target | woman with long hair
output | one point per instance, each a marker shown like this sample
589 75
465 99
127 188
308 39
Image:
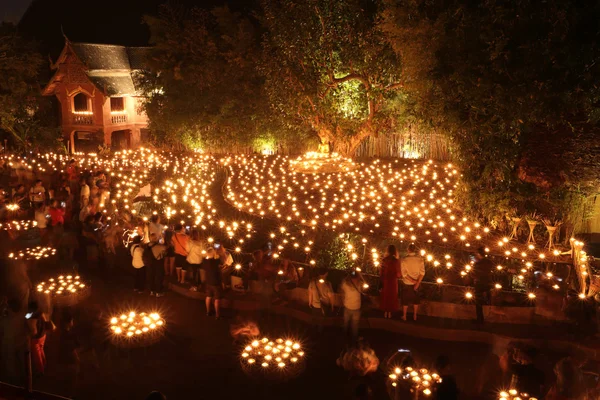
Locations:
390 273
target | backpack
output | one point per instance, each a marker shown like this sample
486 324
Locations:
147 256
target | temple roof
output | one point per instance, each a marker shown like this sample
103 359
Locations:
110 57
109 67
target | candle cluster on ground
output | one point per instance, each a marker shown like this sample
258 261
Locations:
35 253
272 355
62 285
421 380
134 325
18 225
514 394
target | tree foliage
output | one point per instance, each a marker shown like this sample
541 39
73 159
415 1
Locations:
515 84
328 68
24 115
202 87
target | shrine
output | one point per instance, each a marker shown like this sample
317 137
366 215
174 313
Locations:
99 101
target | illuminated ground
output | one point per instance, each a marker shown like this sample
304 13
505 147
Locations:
198 356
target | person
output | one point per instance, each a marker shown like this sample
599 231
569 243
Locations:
287 277
20 197
194 258
413 271
226 264
320 296
85 212
155 227
37 324
68 352
210 264
169 261
137 251
351 294
41 218
447 389
37 194
525 375
180 243
568 385
390 273
84 193
57 214
153 259
72 175
482 270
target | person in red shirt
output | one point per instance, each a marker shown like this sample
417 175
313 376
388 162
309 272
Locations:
57 214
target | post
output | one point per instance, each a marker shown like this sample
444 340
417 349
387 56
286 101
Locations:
28 372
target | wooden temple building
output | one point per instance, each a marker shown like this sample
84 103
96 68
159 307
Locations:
99 100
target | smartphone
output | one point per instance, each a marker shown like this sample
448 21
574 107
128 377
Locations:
28 315
217 245
63 204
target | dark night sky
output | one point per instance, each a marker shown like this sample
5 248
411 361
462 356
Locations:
106 21
12 10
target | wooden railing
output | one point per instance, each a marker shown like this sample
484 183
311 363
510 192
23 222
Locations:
80 118
118 118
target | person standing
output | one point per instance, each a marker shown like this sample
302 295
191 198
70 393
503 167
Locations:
180 245
482 270
37 323
155 227
226 265
214 289
413 271
390 273
153 258
194 258
84 193
320 297
37 194
169 262
351 293
137 253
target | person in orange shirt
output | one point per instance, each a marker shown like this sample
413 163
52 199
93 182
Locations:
180 244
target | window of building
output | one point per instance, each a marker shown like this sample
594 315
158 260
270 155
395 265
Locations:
81 103
117 104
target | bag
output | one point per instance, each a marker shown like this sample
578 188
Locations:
148 257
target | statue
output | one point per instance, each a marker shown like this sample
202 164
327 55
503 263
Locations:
323 148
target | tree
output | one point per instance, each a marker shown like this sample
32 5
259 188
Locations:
515 85
202 87
24 114
328 68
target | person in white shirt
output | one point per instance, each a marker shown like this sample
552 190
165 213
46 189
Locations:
41 217
84 193
194 258
155 227
137 251
413 271
37 194
226 264
351 290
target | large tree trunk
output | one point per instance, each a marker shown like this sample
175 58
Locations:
343 143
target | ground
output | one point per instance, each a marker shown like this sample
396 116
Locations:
198 356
